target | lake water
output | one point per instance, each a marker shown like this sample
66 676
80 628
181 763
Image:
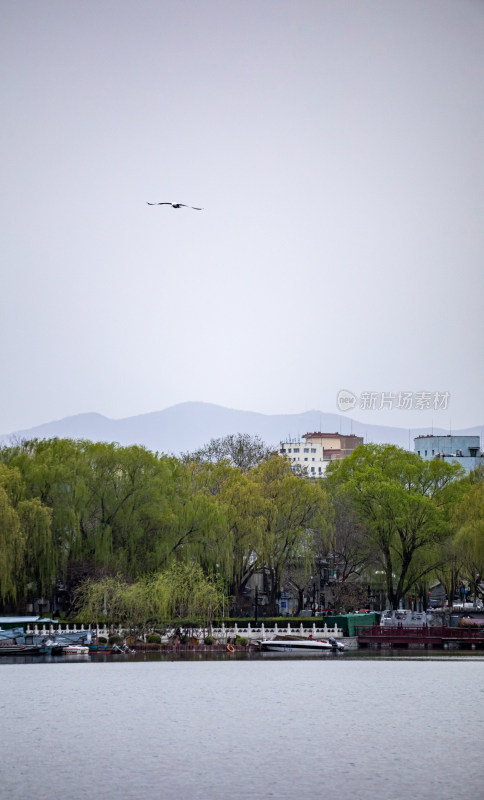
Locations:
372 725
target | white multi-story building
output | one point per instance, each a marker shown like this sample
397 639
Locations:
305 456
312 455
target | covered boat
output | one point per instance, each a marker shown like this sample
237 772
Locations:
13 642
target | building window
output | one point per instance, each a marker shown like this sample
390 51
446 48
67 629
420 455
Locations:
433 452
425 452
319 470
306 449
289 451
313 449
282 450
313 459
313 469
306 458
296 449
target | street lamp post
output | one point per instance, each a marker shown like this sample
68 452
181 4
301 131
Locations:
256 605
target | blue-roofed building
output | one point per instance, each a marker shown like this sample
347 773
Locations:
463 450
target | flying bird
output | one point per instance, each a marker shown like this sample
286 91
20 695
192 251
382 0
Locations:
176 205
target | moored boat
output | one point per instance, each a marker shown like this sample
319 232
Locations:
101 648
76 650
299 644
20 650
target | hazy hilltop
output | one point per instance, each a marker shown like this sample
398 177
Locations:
187 426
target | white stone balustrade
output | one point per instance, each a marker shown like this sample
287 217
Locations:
221 634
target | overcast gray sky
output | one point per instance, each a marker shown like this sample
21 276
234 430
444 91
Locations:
336 147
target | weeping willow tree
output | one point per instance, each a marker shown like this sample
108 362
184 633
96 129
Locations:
114 510
54 472
190 520
40 551
27 552
469 540
112 600
12 550
184 591
143 511
247 510
298 513
181 591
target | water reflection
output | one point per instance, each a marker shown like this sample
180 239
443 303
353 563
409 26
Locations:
369 654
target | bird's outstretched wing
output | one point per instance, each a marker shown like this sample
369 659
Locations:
176 205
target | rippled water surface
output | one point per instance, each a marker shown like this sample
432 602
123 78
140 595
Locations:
363 727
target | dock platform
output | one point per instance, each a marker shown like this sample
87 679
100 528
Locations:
426 636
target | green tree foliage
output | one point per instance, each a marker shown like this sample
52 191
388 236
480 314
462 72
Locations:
246 513
27 554
122 508
85 510
12 548
56 473
469 541
40 558
294 509
274 519
182 590
112 599
192 521
404 502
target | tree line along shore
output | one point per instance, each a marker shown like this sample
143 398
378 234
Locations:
100 531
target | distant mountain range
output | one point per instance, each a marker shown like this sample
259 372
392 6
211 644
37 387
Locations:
187 426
